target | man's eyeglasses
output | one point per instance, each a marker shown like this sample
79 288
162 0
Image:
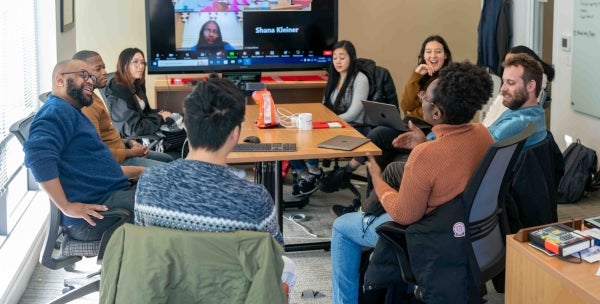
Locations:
423 97
84 74
209 31
138 63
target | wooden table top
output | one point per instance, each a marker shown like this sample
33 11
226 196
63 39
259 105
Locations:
579 278
306 141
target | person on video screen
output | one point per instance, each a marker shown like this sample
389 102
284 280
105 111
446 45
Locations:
210 39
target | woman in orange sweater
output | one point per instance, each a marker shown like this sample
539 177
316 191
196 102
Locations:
435 172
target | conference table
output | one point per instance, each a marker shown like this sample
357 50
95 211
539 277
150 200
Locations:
269 163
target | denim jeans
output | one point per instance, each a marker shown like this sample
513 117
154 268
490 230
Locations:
301 166
152 159
123 198
351 232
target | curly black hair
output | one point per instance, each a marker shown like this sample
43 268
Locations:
462 89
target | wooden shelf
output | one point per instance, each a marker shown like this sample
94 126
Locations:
170 96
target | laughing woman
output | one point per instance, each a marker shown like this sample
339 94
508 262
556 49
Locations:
434 55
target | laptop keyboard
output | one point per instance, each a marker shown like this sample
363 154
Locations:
265 147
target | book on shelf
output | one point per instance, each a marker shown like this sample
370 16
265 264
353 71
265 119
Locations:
560 239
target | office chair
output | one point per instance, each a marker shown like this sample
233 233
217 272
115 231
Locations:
461 269
42 97
162 265
60 251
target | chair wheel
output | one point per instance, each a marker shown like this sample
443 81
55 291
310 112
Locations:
67 288
70 268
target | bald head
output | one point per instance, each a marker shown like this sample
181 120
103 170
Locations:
72 82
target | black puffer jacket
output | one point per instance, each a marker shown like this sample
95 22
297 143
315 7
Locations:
381 83
438 258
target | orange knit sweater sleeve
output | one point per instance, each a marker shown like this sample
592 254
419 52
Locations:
435 172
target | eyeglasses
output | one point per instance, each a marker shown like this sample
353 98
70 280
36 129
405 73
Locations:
138 63
422 96
84 74
209 31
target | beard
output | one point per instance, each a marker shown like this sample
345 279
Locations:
518 99
77 94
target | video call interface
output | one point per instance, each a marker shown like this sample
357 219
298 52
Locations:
202 33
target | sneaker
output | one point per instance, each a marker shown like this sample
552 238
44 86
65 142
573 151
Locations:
339 210
241 173
334 180
306 185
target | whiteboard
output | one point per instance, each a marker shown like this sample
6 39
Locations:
585 85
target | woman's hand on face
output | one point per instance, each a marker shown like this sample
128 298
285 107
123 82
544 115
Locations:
424 69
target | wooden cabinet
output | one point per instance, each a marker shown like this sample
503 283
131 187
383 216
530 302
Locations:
170 97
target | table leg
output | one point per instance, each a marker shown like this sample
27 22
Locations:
270 176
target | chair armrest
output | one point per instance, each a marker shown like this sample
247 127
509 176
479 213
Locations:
395 234
122 215
390 228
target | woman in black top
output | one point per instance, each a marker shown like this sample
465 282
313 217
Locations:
126 97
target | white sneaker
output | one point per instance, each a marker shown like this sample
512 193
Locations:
241 173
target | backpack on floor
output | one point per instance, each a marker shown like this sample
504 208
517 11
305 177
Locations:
581 168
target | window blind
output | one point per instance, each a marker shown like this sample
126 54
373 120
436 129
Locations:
19 87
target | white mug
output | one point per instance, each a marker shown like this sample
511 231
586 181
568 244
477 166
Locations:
305 121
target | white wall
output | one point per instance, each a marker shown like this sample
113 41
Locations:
521 12
108 27
565 121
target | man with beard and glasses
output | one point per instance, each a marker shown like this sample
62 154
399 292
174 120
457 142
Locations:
130 152
71 163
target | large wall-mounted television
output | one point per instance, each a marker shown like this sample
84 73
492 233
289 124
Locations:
206 36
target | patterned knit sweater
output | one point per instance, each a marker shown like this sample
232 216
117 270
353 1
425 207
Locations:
436 171
199 196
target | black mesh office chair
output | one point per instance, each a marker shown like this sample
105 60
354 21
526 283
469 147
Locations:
60 251
481 256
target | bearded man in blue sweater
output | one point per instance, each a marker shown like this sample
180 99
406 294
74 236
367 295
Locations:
70 161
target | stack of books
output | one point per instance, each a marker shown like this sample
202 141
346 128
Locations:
560 239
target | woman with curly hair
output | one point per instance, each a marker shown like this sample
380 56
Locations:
436 171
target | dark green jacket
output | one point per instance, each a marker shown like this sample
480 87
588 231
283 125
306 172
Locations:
160 265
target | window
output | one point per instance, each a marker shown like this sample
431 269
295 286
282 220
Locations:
19 87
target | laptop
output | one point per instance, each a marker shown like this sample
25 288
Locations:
343 142
383 114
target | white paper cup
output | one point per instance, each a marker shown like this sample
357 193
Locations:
305 121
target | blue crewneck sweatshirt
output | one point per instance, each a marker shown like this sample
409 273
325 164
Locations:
64 144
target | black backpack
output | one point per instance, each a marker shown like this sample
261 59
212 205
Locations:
581 167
